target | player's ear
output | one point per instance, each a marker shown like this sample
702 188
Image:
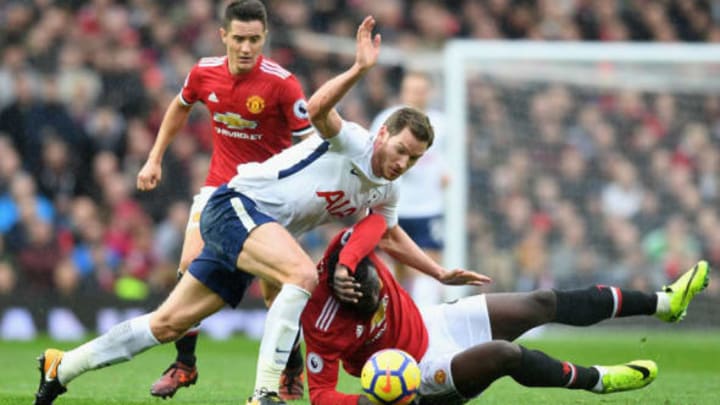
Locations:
382 135
223 35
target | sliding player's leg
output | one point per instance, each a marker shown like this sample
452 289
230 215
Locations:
512 314
466 355
474 369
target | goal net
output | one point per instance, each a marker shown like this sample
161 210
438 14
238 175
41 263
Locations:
581 162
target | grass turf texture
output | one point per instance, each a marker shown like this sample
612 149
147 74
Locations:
689 371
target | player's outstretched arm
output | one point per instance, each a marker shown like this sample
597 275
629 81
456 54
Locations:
174 120
402 248
321 106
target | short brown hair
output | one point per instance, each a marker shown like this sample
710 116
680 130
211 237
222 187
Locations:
413 119
245 10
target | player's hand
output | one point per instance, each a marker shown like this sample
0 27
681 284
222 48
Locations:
149 176
463 277
368 46
345 288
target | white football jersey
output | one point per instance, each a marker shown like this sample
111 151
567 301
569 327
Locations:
421 189
318 181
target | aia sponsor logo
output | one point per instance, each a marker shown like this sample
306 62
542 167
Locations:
337 204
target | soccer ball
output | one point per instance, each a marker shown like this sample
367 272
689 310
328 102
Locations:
390 377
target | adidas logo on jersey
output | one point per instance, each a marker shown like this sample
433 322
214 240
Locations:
212 97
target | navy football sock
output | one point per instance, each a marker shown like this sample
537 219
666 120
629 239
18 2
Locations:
186 348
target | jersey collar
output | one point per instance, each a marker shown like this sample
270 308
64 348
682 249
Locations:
244 76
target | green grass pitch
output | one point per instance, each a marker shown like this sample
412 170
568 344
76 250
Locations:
689 371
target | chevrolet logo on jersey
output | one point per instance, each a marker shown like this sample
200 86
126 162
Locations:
234 121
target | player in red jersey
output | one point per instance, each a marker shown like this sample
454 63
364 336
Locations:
462 347
250 226
256 108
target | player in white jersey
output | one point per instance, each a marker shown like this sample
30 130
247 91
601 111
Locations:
248 227
421 206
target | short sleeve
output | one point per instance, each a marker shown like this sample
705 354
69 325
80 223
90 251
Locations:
189 94
388 208
294 107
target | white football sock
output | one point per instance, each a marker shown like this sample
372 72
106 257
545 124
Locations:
663 303
281 327
119 344
599 385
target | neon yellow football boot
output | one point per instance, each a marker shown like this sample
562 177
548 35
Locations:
682 291
625 377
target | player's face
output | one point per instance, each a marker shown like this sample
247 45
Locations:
415 92
394 155
244 42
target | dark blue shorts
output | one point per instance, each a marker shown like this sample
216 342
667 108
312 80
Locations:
427 232
229 285
225 223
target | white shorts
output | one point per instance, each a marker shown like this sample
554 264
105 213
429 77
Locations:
199 202
452 328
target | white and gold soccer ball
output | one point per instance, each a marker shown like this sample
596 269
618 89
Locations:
390 377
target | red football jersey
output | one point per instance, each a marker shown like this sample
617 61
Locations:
333 334
254 115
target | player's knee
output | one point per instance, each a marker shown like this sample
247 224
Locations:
305 277
167 328
544 302
508 354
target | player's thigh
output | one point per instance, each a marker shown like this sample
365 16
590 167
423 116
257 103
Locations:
271 253
192 246
512 314
193 243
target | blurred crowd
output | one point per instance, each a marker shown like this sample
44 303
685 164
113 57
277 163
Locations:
619 187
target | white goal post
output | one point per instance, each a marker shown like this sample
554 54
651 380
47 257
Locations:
554 61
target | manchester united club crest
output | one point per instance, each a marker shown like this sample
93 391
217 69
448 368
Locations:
440 377
255 104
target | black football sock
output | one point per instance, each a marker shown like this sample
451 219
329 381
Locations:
537 369
594 304
186 348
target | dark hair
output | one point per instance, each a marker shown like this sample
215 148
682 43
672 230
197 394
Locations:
415 120
245 10
366 275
